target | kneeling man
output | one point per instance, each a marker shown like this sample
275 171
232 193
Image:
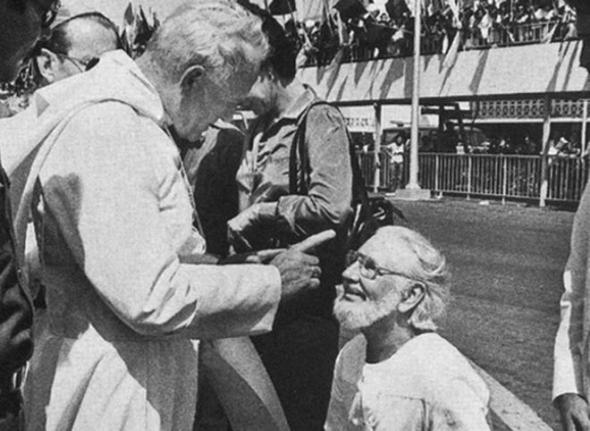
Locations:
400 374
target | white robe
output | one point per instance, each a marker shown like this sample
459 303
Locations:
427 385
113 218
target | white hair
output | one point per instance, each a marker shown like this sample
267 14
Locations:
430 269
219 35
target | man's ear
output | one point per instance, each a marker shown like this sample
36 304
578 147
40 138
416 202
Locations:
47 62
191 76
411 298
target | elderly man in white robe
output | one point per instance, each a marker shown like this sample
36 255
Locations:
400 375
113 220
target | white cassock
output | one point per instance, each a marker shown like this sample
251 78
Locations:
113 219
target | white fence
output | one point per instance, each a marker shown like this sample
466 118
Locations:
496 176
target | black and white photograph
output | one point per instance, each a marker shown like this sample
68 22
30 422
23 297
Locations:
294 215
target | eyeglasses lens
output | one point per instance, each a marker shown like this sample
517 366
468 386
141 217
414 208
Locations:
367 266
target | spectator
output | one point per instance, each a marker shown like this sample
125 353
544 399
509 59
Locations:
295 180
75 43
395 150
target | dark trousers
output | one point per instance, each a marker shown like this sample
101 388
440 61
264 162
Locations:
396 176
299 356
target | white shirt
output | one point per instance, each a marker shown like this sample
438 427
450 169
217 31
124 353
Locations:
426 385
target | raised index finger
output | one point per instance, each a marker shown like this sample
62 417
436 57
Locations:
314 241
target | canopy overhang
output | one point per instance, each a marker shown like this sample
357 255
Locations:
502 73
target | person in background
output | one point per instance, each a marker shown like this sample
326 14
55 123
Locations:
21 25
211 169
75 43
295 181
399 374
396 149
127 299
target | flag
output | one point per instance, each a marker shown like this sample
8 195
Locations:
129 14
349 9
453 52
282 7
337 59
549 36
585 55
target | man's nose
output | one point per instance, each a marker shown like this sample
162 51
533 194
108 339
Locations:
351 272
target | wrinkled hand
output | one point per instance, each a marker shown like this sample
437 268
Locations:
300 271
574 412
244 227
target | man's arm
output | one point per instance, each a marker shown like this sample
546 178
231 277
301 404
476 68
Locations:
105 195
328 201
330 191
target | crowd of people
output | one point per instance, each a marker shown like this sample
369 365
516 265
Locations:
388 31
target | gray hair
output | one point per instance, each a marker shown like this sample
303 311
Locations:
429 269
219 35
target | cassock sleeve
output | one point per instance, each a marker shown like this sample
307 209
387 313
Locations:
106 194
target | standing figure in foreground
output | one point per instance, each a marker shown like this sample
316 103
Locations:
571 381
400 375
21 24
571 387
295 181
113 217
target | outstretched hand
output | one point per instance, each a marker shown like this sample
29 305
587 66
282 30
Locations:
299 270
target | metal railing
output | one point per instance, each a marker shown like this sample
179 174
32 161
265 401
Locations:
517 34
498 36
511 177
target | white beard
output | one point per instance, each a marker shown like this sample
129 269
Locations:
355 316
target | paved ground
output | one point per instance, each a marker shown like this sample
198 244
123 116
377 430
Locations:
507 263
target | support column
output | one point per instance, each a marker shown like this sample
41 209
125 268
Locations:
413 190
377 148
545 158
414 135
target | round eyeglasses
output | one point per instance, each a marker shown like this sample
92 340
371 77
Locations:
368 268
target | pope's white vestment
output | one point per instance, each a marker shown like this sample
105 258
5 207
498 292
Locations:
113 219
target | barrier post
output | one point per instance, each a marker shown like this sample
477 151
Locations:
504 178
544 158
469 161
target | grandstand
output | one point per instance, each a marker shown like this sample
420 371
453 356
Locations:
520 83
